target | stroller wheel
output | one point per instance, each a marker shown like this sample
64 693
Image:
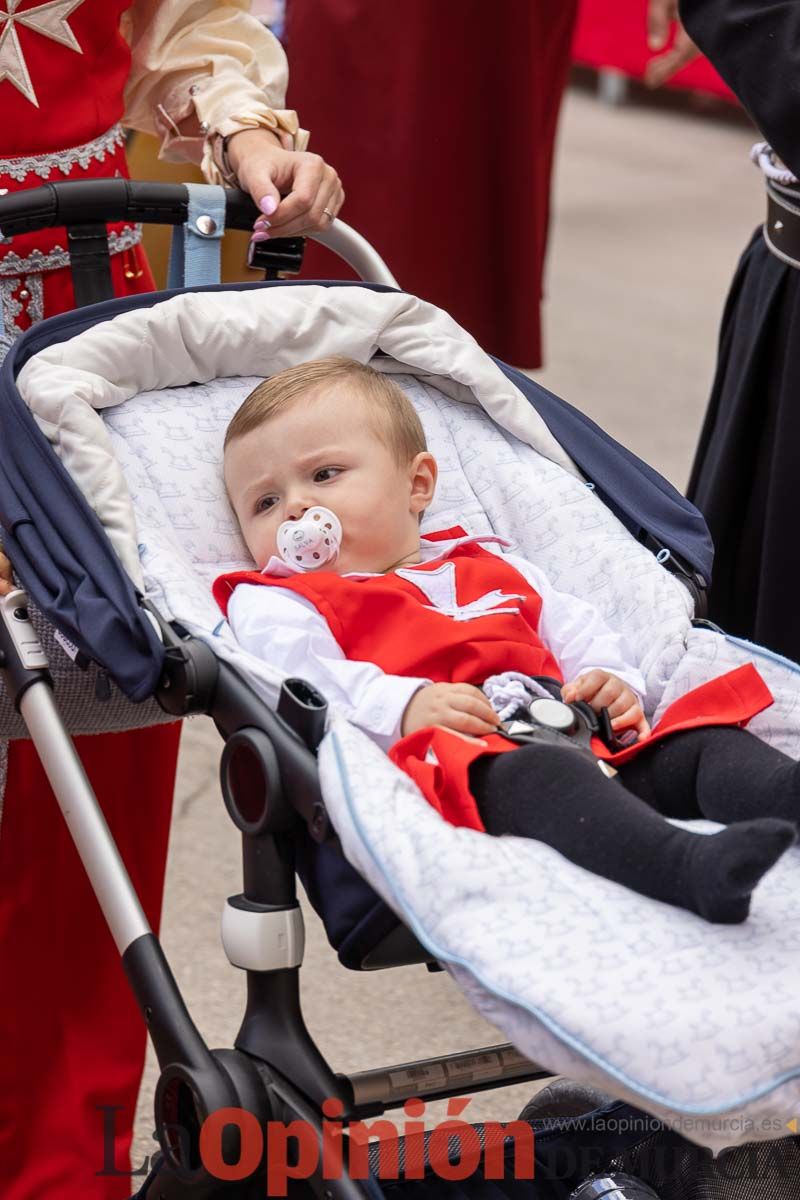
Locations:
613 1187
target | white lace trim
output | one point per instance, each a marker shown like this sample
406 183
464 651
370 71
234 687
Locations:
12 306
37 261
64 160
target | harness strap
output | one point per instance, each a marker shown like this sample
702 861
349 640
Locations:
90 264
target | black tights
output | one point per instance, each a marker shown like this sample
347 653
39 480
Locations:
560 797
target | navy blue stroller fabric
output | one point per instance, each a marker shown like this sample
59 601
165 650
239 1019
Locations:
72 574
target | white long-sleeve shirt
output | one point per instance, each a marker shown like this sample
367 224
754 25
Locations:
286 630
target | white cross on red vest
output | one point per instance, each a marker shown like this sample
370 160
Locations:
50 20
439 585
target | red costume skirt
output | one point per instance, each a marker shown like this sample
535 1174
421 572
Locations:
73 1041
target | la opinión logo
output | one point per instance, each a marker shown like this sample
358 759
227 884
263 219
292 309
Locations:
452 1149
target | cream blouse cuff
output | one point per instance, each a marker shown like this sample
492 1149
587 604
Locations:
201 69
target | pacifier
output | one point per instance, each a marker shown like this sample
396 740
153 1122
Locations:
312 542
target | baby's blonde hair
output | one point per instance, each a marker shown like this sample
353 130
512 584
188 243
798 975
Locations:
398 425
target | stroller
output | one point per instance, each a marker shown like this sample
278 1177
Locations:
298 782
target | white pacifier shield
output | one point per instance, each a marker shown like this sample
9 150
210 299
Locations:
312 542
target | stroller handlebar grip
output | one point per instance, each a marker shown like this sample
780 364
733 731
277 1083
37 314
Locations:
84 202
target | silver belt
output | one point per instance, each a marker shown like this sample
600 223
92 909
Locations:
782 226
64 161
38 261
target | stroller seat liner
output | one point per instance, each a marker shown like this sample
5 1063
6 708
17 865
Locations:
698 1024
688 1020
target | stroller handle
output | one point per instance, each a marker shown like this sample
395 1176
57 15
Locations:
89 202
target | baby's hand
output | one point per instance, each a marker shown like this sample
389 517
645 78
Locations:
601 689
457 706
6 578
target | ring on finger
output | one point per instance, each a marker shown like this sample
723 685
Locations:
327 212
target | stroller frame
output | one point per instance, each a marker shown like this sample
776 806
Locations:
270 786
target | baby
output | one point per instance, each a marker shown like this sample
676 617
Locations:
400 631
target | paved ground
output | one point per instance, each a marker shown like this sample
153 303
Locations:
651 211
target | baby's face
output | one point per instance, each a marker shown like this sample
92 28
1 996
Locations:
324 450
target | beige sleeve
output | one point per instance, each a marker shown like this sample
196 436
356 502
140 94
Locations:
201 68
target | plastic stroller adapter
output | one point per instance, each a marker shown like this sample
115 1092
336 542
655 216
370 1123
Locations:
22 659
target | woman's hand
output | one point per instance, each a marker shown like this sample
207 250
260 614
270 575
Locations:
661 16
6 578
601 689
312 191
456 706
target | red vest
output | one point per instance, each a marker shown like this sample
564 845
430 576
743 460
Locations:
469 616
63 73
66 65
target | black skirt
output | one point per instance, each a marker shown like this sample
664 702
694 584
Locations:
746 475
